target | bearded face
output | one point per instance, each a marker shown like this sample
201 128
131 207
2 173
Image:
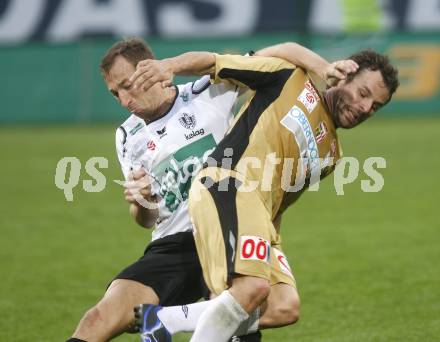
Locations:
354 101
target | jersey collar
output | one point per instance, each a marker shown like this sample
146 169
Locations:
169 109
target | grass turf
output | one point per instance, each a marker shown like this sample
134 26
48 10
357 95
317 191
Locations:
366 263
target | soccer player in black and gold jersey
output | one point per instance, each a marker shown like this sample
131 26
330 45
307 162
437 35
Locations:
282 141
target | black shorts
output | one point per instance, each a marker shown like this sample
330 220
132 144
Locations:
171 267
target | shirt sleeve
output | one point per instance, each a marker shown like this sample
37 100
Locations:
121 137
224 96
251 71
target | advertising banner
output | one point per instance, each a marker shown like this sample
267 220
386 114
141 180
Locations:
62 83
69 20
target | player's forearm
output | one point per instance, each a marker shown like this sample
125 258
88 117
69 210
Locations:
143 216
192 63
298 55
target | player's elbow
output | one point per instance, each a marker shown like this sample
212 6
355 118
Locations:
147 222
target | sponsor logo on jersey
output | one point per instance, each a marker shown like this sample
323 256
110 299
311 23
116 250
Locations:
254 248
188 121
297 123
162 132
309 86
320 132
309 97
282 262
174 174
194 134
136 128
151 145
184 97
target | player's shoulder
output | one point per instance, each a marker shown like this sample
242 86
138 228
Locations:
190 90
131 122
129 127
202 88
200 85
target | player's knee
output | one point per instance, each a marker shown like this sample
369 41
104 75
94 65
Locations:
281 311
257 288
250 291
92 318
288 311
261 288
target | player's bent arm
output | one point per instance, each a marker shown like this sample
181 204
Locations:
297 55
300 56
240 70
203 63
192 63
151 71
252 72
143 216
143 203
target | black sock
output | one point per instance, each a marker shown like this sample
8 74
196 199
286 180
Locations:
73 339
252 337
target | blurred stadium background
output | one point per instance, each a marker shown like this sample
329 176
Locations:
366 263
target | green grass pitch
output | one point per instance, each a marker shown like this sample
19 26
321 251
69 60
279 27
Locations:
367 264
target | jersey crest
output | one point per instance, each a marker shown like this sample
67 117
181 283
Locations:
188 121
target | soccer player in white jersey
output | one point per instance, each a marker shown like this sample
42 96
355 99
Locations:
169 134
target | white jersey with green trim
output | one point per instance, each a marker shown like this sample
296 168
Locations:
172 148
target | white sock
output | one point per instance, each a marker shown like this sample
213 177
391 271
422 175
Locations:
220 320
182 318
250 325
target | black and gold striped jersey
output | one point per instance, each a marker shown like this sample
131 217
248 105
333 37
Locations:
283 137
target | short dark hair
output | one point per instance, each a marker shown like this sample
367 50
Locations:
133 50
372 60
